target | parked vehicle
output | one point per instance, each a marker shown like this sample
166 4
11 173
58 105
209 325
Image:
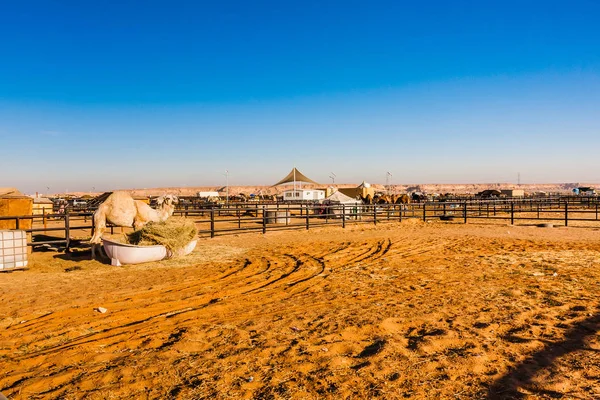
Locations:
79 203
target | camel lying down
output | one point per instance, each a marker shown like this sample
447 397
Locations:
120 209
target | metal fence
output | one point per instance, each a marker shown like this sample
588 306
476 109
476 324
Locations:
220 219
38 233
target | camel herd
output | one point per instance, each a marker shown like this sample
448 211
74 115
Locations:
414 197
386 199
368 199
377 199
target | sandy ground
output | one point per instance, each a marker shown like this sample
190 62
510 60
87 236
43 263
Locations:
401 310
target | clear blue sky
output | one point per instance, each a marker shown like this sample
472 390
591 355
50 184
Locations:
124 94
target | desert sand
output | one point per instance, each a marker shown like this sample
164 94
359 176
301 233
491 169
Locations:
400 310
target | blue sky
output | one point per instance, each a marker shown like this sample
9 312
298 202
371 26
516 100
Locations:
145 94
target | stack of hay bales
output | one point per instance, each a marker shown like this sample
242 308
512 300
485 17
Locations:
14 203
174 233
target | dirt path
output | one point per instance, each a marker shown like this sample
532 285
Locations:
407 310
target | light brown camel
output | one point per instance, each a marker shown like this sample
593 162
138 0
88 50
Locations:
402 199
120 209
367 199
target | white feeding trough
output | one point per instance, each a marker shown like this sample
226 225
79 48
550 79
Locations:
121 253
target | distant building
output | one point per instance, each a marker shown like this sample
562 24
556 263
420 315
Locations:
513 192
208 195
489 194
42 205
303 194
588 191
585 191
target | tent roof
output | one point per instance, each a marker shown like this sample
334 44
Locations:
11 192
295 176
364 185
42 200
342 198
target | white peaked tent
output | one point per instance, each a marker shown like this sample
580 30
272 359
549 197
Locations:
340 198
351 206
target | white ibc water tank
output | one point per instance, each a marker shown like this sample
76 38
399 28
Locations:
13 249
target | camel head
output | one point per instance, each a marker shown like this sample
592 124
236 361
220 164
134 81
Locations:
168 199
166 206
171 199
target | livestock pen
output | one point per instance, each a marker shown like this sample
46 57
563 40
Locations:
64 229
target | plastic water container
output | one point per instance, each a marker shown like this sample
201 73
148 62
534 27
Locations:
13 249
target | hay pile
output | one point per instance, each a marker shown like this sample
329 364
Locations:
174 234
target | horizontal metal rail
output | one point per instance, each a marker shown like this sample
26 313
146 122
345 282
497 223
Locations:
270 216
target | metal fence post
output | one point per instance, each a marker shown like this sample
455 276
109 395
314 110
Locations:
374 215
465 211
512 212
566 213
307 217
67 232
212 223
264 215
424 212
343 216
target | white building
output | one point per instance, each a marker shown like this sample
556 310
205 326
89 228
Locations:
513 192
303 194
208 194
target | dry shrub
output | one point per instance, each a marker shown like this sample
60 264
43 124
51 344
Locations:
174 234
